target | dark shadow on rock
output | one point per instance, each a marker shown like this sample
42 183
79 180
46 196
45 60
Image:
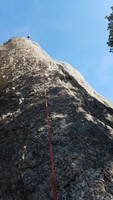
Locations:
81 147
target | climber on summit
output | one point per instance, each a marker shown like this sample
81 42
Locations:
28 36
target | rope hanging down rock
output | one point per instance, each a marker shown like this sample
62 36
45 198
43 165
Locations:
54 181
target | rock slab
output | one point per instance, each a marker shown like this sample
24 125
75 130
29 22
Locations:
82 128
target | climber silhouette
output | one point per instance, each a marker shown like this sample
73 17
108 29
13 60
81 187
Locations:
28 36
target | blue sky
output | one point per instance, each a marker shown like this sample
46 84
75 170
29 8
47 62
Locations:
69 30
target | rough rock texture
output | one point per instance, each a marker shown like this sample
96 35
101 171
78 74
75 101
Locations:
82 128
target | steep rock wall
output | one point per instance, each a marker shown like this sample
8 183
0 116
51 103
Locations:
82 128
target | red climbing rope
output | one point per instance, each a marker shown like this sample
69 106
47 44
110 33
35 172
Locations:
54 181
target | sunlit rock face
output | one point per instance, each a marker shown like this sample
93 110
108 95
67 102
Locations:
82 128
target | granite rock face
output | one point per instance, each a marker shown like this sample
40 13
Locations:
82 128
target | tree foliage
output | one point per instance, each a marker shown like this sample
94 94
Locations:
110 28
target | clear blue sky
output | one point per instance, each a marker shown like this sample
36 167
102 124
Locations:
69 30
